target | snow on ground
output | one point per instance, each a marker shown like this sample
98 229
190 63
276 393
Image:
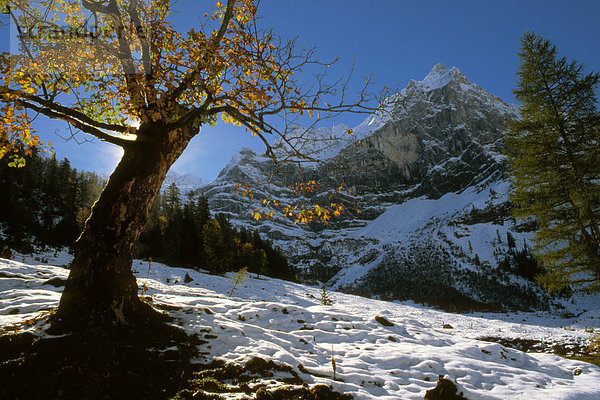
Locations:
401 221
285 322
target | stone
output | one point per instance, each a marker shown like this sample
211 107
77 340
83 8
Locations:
383 321
444 389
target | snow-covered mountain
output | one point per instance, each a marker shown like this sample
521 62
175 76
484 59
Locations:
426 200
186 182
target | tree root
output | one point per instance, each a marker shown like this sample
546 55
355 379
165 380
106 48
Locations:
150 360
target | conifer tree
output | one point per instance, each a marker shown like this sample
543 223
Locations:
202 211
554 150
259 262
214 247
173 198
190 235
45 201
173 235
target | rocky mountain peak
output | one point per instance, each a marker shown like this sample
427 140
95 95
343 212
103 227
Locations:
432 128
438 68
426 197
437 78
185 182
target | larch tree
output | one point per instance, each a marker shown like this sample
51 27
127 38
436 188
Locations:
120 70
554 151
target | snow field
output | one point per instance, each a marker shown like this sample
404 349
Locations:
284 322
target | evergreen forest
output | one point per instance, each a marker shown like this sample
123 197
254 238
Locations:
46 203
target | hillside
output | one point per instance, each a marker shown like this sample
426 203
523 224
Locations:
425 191
285 323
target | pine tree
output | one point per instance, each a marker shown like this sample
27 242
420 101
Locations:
190 235
45 201
173 235
258 262
238 279
554 151
202 211
172 198
212 235
510 240
325 299
202 217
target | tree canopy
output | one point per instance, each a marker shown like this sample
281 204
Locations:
123 72
113 69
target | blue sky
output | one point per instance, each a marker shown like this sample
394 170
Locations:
395 41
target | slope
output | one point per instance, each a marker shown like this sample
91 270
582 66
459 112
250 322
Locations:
284 323
436 144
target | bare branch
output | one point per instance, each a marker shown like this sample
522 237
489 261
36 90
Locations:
25 46
225 23
100 7
77 124
125 55
216 42
67 111
137 22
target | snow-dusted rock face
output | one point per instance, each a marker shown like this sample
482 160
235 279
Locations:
185 183
427 216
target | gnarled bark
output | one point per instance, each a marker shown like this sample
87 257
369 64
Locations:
101 288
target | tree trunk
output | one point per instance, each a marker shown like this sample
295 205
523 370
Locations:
101 288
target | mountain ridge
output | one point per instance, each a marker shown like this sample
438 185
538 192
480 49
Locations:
436 142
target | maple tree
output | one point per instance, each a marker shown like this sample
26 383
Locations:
120 71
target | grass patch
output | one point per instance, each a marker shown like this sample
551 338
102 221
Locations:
589 354
592 359
593 355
